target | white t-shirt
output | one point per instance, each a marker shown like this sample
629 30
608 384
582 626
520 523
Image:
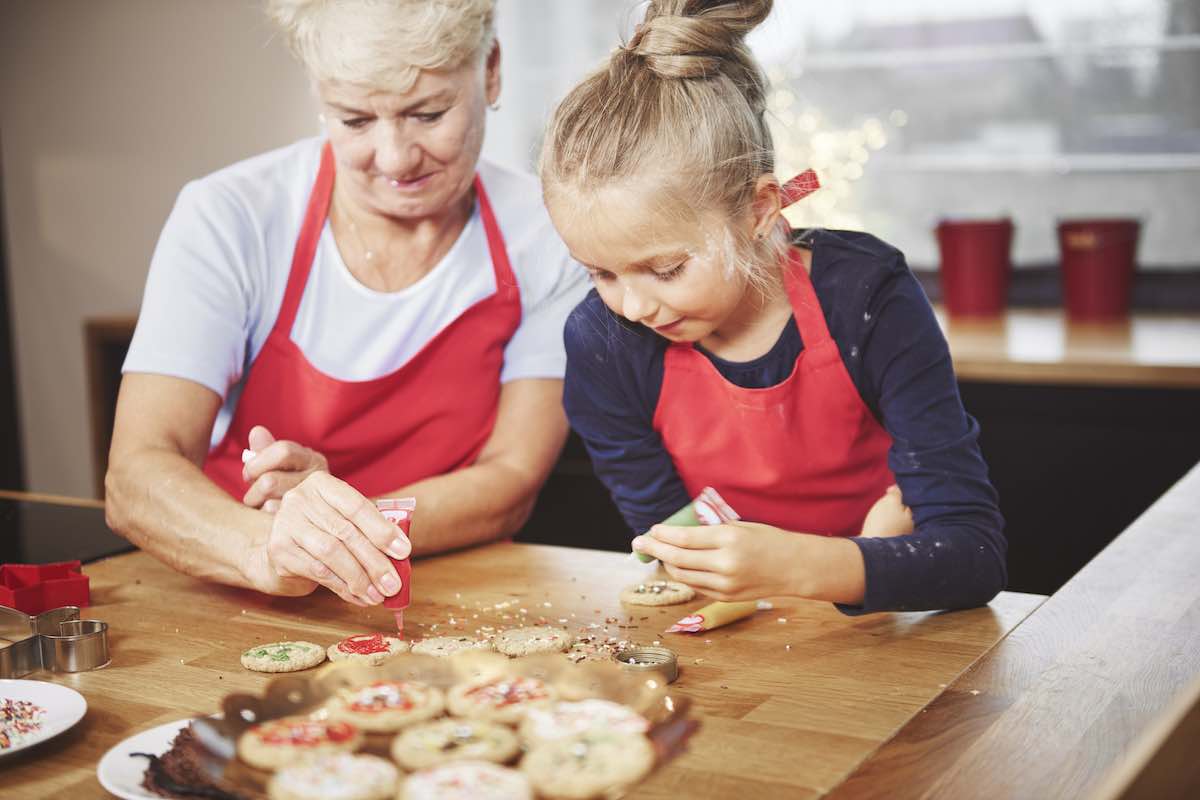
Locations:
219 271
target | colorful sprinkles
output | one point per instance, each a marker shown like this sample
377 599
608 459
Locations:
20 720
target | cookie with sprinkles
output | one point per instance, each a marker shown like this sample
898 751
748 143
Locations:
657 593
499 699
279 742
446 740
563 719
371 649
336 777
283 656
442 646
386 706
467 780
590 764
536 639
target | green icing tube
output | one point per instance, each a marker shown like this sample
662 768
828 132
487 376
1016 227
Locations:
684 517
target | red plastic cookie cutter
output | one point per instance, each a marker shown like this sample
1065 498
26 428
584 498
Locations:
34 588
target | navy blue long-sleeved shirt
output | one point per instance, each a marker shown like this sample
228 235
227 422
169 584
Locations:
898 359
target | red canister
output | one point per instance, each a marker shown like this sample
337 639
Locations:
1098 261
976 265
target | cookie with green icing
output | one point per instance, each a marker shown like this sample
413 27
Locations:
283 656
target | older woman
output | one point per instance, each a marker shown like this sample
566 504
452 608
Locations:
372 313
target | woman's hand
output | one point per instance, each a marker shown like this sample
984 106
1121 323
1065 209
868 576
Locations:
734 561
327 532
889 516
277 467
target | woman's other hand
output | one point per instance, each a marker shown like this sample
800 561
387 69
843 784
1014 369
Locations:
327 532
277 467
889 516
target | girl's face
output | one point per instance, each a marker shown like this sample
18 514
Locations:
411 155
651 268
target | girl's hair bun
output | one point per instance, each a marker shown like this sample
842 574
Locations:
697 38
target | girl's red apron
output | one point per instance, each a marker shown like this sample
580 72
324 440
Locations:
804 455
429 417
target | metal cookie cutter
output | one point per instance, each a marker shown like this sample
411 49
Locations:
56 640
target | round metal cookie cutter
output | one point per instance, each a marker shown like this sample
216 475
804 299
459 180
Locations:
650 660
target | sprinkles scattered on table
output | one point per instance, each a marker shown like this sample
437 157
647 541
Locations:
20 720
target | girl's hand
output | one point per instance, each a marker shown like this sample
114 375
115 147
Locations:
889 516
277 467
735 561
327 532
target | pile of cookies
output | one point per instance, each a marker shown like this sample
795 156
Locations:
499 734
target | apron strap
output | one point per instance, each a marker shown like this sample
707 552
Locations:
306 243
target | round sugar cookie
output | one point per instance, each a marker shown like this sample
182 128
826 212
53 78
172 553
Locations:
527 641
466 780
386 706
657 593
499 699
442 741
563 719
283 656
336 777
449 645
588 764
371 649
277 743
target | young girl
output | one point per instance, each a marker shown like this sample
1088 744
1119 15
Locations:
801 374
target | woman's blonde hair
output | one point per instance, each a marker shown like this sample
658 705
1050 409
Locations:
384 44
681 104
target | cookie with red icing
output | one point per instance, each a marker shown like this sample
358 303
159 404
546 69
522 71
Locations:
371 649
499 699
466 780
386 706
271 745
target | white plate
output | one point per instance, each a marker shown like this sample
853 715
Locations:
121 774
63 708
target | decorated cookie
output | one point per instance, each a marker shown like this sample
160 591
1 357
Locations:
657 593
499 699
564 719
527 641
386 706
283 656
371 649
446 740
449 645
336 777
466 780
588 764
280 742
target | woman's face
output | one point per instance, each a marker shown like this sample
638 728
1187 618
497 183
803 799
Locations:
410 156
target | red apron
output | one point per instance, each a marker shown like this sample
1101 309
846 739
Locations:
429 417
804 455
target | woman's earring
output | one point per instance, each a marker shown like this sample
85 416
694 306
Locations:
494 106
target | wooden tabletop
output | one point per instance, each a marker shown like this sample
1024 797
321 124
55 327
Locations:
1042 346
1073 693
790 700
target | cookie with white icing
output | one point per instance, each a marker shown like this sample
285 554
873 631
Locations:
589 764
370 649
442 646
527 641
336 777
386 706
467 780
499 699
563 719
283 656
277 743
657 593
446 740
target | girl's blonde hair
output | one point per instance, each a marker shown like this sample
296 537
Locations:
680 105
384 44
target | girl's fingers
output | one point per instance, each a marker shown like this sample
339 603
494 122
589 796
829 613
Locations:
707 582
678 556
704 537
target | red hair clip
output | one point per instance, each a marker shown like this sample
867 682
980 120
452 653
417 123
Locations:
800 187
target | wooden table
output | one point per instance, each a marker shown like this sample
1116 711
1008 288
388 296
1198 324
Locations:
1042 346
790 701
1075 692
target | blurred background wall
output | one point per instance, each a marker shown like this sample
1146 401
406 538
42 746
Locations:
911 110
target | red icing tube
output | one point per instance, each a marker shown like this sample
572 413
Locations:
400 511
